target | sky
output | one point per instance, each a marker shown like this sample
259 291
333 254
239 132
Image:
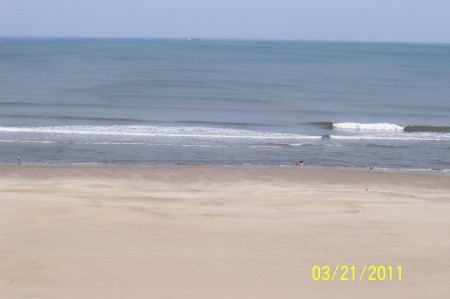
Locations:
423 21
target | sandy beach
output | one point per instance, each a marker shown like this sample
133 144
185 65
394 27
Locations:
218 232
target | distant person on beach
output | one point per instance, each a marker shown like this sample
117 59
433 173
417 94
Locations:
297 164
19 161
301 163
372 167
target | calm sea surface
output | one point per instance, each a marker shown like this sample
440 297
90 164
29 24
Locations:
211 102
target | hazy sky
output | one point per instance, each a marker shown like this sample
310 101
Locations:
356 20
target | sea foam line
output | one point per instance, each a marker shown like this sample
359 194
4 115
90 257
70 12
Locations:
195 132
364 126
427 137
141 143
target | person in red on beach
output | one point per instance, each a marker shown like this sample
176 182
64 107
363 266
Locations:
297 164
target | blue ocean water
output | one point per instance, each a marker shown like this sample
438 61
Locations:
221 102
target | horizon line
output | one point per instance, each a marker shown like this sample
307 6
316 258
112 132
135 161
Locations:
223 39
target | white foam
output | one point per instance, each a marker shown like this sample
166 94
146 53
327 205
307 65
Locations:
399 137
364 126
156 131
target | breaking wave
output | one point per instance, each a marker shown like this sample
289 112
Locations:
382 127
156 131
363 126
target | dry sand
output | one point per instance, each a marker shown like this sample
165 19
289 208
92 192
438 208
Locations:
204 232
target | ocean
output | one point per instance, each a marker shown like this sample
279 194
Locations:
149 102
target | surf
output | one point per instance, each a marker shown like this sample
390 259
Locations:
368 126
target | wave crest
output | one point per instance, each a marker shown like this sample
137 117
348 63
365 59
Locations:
365 126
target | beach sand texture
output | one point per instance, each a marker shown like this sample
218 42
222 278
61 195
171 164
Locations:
218 232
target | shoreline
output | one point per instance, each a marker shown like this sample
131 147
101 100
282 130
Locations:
436 172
